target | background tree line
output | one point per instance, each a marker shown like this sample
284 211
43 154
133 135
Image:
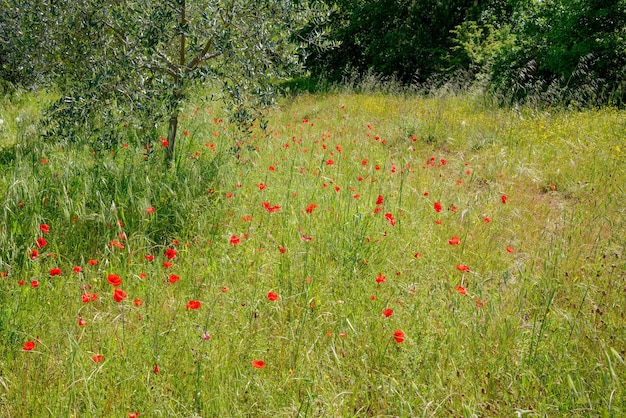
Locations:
566 51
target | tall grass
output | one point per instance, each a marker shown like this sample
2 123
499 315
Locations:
510 297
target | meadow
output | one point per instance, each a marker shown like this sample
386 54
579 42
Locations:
359 254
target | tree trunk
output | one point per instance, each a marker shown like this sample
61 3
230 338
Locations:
171 138
178 89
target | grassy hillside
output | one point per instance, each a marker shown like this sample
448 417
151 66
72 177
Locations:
360 255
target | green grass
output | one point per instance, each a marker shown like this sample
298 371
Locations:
540 328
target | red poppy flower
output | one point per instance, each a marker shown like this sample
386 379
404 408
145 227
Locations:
398 335
156 369
98 358
55 272
114 280
81 322
388 312
170 253
165 143
258 364
119 295
234 240
461 290
44 228
261 186
150 209
78 269
272 296
380 278
116 244
167 264
89 297
390 218
487 220
41 242
34 284
149 257
504 199
133 415
20 283
462 267
330 162
92 262
173 278
310 208
34 254
454 240
193 304
437 206
269 208
138 302
510 250
282 249
380 200
28 345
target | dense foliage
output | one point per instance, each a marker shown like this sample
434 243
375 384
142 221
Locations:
568 52
408 39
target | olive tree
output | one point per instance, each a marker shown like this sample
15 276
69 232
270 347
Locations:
130 60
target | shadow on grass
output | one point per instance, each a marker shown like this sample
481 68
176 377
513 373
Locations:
301 85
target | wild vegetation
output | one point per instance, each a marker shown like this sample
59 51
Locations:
362 254
439 234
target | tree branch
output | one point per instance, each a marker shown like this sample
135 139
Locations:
183 23
160 69
194 62
119 34
174 69
200 59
